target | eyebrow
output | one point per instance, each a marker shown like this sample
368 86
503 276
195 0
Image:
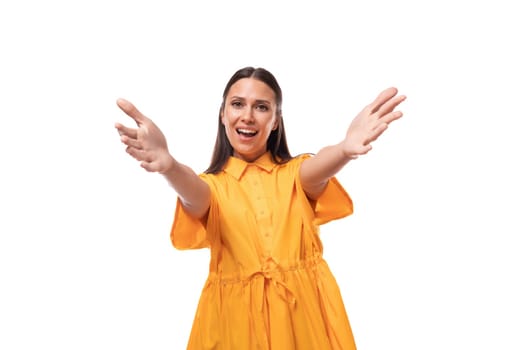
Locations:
257 101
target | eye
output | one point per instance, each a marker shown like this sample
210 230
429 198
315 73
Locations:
236 104
262 108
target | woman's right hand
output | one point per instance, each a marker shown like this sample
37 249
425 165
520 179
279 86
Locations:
146 143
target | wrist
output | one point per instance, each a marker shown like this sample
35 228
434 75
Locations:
346 153
170 166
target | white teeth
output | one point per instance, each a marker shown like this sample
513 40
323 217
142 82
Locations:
245 131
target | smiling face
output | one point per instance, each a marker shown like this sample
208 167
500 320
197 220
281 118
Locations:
249 116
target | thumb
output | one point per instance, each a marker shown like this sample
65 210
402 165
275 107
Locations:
128 108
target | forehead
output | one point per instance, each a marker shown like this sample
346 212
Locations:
251 88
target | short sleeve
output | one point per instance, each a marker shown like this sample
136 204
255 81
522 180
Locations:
188 232
334 203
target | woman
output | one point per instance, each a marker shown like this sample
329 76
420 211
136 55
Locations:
258 209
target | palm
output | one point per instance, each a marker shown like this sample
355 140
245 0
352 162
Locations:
146 143
150 136
371 122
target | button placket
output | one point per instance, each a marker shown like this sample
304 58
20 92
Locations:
262 211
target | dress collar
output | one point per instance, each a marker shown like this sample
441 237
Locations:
236 167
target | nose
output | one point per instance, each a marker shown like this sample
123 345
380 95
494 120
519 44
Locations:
247 116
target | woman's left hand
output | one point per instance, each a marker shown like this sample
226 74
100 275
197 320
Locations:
371 122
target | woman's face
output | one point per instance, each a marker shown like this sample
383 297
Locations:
249 116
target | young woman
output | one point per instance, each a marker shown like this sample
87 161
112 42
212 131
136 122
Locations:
258 210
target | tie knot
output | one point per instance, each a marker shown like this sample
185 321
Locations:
268 267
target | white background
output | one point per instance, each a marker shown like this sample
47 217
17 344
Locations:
431 259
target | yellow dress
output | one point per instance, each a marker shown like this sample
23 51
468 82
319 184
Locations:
268 285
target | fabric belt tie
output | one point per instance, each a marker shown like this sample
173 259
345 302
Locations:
272 274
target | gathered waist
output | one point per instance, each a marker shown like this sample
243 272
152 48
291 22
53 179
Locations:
269 268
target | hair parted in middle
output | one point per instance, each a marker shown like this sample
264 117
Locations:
276 144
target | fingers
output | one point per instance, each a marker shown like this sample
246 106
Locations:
138 154
150 166
131 142
390 117
379 129
383 107
145 158
367 147
128 108
125 131
128 136
383 97
389 105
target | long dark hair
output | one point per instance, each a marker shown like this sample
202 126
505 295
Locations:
276 141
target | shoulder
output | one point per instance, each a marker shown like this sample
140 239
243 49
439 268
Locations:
210 177
297 160
292 166
301 157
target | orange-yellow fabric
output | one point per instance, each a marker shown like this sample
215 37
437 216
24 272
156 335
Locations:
268 286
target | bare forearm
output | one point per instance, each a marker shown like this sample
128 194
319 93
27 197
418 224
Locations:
193 192
365 128
316 171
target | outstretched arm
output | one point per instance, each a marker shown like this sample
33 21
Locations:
366 127
147 144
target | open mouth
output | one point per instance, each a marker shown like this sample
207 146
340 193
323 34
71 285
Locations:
246 132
